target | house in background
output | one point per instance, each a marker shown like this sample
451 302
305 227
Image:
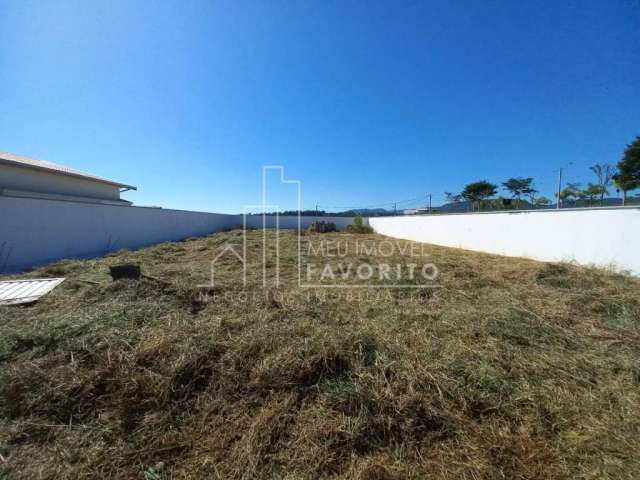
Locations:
30 178
415 211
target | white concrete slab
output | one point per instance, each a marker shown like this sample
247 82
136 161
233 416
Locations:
14 292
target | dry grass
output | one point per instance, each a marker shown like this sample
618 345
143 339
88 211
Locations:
512 369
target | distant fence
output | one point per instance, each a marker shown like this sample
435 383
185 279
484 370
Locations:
37 231
604 237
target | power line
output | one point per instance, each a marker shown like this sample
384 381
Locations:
544 183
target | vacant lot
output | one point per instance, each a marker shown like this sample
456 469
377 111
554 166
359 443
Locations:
503 368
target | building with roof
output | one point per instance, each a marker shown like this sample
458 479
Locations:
22 176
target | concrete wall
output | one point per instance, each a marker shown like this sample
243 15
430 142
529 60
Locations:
38 231
31 180
603 237
34 231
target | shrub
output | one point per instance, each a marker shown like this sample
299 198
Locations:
358 226
322 227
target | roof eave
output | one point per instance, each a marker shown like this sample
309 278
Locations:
66 174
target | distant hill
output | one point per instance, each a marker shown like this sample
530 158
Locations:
365 212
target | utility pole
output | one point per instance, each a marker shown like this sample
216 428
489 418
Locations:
429 203
316 209
559 187
395 209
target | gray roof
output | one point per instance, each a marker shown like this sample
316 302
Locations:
26 162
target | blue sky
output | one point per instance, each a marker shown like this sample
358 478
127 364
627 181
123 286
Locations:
365 102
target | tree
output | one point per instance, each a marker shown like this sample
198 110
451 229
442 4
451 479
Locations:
620 185
625 185
519 186
592 191
604 173
500 203
583 195
541 201
452 197
628 177
571 192
476 192
531 193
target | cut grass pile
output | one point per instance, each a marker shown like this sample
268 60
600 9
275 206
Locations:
506 368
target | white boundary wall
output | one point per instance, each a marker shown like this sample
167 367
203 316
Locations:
37 231
606 237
